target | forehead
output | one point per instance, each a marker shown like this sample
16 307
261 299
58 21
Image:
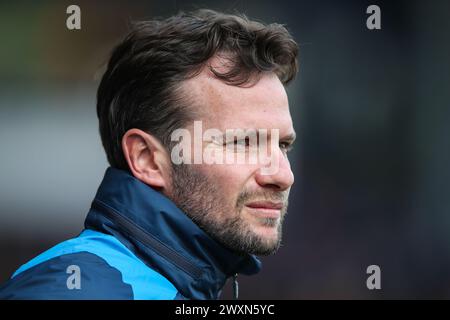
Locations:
262 105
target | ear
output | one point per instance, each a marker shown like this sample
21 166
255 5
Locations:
147 158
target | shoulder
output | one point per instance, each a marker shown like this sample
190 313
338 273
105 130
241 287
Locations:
91 266
81 275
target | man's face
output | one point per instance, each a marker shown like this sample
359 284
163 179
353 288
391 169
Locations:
236 203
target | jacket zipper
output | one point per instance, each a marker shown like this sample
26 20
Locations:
148 240
235 287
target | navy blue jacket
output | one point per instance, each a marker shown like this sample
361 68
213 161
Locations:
136 245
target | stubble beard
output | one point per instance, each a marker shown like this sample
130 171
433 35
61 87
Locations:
200 198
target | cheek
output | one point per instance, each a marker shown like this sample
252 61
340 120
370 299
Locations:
230 180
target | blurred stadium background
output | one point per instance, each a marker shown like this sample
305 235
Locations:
371 110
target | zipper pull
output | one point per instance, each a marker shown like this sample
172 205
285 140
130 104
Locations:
235 287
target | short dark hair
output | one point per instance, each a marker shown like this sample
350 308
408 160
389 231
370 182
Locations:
141 86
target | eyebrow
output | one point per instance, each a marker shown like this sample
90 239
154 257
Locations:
288 138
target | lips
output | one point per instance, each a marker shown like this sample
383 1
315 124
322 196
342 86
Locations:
266 209
265 205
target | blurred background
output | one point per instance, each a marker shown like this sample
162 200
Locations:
370 107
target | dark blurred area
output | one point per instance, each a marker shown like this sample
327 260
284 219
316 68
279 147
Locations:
370 108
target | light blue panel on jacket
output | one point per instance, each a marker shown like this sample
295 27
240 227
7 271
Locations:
146 282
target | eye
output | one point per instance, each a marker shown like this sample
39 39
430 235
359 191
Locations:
286 146
242 142
239 142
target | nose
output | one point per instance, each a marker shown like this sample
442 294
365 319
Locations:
280 179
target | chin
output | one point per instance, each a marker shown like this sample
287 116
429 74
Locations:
267 234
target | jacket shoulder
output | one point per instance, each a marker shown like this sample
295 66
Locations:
80 275
91 266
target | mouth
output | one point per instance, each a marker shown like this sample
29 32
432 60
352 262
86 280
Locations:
265 209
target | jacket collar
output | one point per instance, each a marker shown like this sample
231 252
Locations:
152 226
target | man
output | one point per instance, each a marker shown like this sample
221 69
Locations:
160 228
